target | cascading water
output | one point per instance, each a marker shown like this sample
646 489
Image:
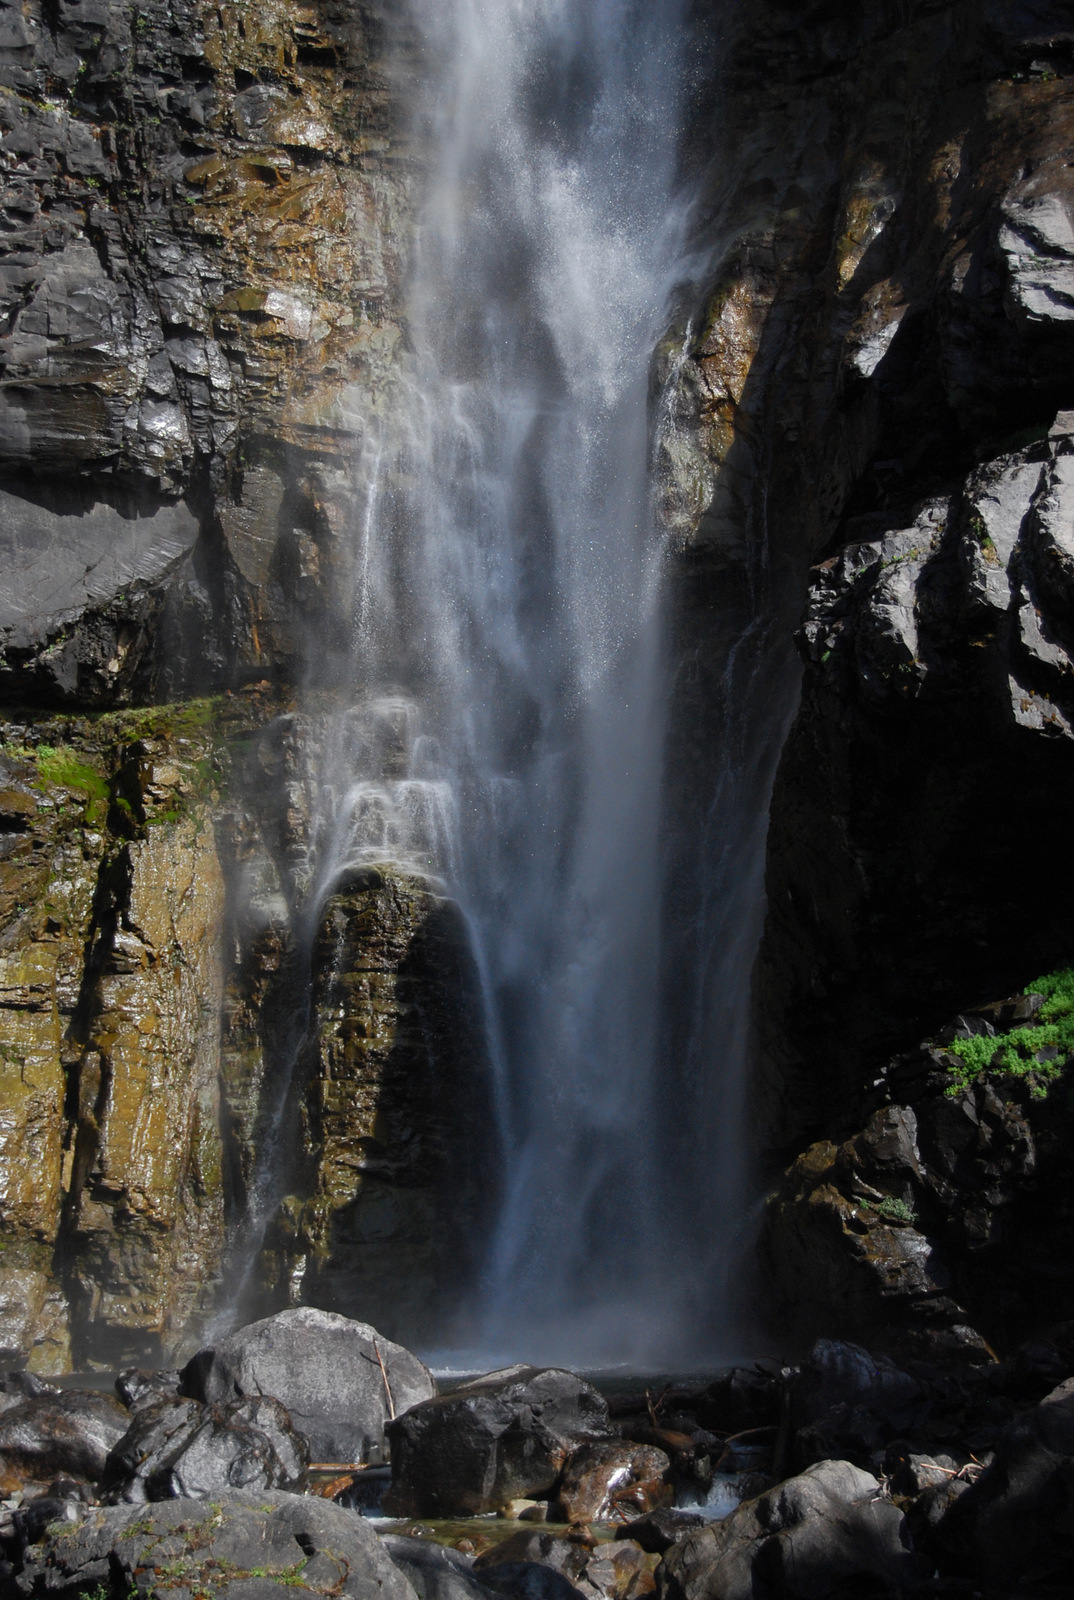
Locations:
511 587
510 646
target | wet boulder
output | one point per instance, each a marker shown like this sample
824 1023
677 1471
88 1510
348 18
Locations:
61 1431
339 1380
564 1556
597 1477
822 1532
179 1448
15 1387
245 1546
620 1570
531 1580
502 1437
433 1571
138 1387
658 1530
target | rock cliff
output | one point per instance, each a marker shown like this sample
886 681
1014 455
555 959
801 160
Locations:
864 430
202 216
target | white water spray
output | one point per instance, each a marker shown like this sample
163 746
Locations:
508 736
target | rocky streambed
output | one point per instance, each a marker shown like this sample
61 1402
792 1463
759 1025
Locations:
843 1476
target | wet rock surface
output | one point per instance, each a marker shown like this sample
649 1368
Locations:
339 1380
179 1449
599 1477
804 1538
433 1571
395 1163
493 1440
263 1544
112 898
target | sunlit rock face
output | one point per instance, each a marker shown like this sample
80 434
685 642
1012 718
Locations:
203 211
112 1205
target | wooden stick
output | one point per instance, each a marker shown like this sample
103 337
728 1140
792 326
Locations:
387 1385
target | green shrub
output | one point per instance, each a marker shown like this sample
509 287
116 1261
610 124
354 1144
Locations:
1016 1053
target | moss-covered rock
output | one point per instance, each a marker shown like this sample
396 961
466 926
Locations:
396 1171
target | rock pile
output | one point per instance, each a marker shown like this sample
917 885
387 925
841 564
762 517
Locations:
866 1479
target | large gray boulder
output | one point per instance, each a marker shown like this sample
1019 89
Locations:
325 1370
802 1540
502 1437
261 1546
181 1449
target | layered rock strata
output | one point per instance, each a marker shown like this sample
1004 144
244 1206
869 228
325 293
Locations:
202 212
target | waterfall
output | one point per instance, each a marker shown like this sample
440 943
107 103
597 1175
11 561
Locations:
506 733
509 610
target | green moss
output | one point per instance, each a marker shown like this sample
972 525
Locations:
1017 1053
67 767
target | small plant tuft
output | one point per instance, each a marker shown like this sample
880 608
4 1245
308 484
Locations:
891 1208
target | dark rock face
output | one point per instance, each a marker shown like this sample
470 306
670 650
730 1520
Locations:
805 1538
941 1230
932 740
434 1571
179 1449
1013 1525
547 1549
529 1580
658 1530
325 1369
254 1546
500 1438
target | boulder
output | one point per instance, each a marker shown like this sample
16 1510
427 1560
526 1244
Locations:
658 1530
531 1580
179 1448
620 1570
807 1537
433 1571
595 1476
561 1555
15 1387
502 1437
848 1403
137 1387
325 1369
248 1546
69 1431
1016 1523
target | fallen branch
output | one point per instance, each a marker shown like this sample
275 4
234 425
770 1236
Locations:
384 1375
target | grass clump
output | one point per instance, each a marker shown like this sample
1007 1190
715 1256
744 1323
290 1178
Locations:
1019 1053
67 768
64 765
